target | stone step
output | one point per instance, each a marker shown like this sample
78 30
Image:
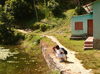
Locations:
77 38
89 39
88 42
88 45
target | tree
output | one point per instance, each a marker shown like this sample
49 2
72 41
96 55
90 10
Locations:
6 34
83 2
20 9
2 2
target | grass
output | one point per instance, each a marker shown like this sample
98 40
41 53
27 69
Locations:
25 66
49 44
90 58
30 45
75 45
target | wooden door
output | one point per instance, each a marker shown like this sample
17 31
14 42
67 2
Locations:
90 27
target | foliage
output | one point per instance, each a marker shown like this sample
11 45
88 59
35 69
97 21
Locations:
43 27
5 18
89 58
22 62
52 4
69 43
63 6
80 10
2 2
9 37
55 72
6 34
23 10
20 9
30 43
83 2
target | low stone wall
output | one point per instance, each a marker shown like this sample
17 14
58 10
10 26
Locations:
47 56
96 43
48 59
52 62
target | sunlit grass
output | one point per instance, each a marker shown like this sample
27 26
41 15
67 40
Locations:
90 58
31 46
75 45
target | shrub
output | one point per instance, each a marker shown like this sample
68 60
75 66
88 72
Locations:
44 27
8 36
36 26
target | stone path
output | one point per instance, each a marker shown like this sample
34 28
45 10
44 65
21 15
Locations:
73 66
22 31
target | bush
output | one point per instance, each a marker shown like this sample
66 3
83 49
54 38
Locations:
80 10
30 43
36 26
8 36
44 27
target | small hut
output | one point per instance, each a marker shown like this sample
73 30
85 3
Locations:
88 26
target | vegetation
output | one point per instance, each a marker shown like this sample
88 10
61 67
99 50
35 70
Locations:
31 43
27 60
33 14
43 17
31 46
89 58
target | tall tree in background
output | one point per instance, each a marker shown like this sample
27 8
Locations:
2 2
6 34
20 9
83 2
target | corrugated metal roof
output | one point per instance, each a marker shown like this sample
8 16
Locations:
88 7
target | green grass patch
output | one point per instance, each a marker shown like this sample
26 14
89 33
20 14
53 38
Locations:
31 46
90 58
31 43
48 42
75 45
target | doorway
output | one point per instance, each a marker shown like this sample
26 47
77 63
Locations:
90 27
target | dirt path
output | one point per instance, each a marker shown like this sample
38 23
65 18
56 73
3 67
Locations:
73 66
23 31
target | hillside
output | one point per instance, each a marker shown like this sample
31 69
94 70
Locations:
23 23
89 58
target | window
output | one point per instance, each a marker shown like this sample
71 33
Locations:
78 25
